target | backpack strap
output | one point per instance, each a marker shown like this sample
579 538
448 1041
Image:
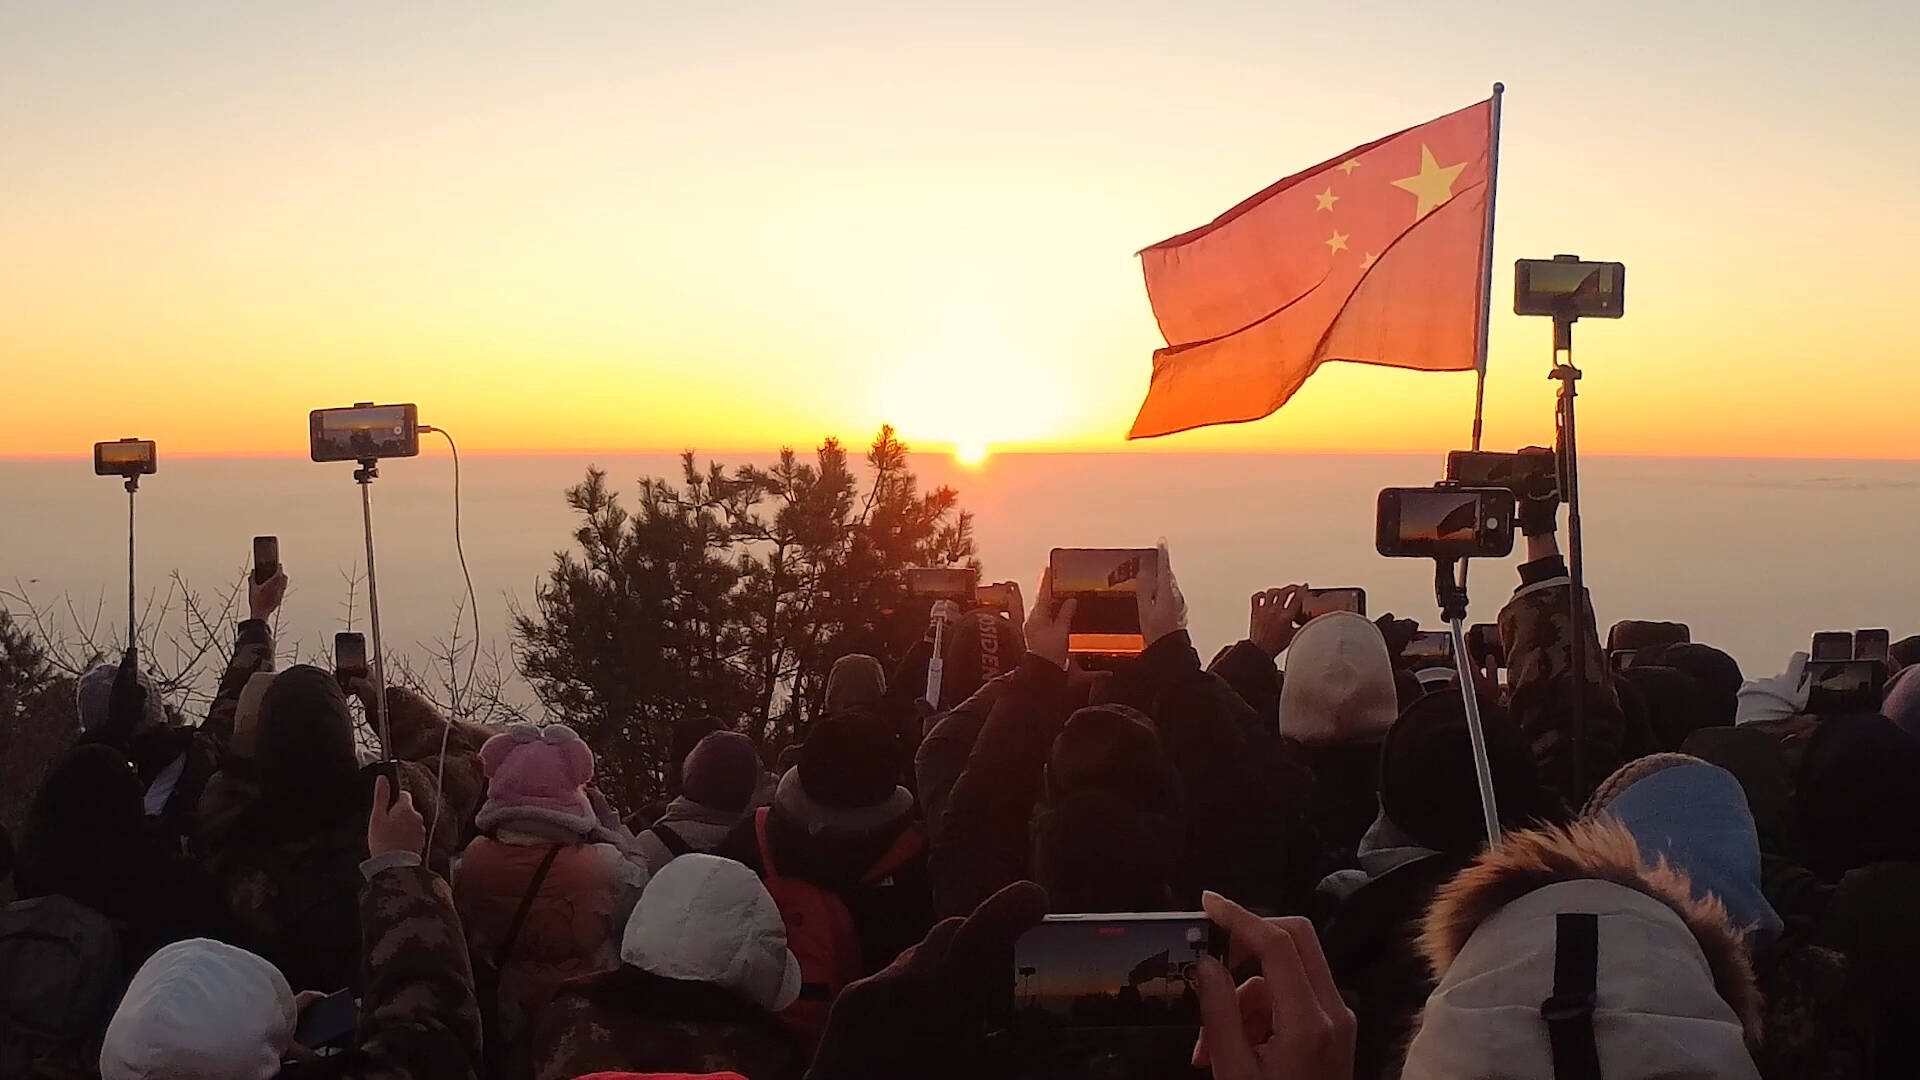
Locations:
1569 1012
675 844
505 951
767 869
905 848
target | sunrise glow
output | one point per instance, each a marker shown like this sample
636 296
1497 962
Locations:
971 454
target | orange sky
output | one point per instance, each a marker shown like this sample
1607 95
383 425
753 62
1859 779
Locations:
612 226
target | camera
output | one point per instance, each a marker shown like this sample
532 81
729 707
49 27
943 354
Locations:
125 457
350 656
1872 645
1429 649
365 432
266 558
1528 475
1844 687
1114 991
943 583
1566 287
1327 601
1444 522
1103 582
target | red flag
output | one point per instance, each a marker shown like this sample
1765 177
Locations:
1373 256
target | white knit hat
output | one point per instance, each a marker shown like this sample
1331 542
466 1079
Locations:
1339 682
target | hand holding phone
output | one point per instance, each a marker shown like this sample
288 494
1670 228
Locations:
267 586
1049 624
1290 1022
1163 610
1277 615
328 1022
350 657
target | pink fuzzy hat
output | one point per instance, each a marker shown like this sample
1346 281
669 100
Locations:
535 776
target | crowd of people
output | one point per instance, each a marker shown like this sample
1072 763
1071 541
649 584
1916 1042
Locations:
1695 877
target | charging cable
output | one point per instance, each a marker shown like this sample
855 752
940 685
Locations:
473 660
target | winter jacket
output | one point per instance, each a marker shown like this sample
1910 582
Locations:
1254 676
942 755
700 828
418 1017
573 927
1668 993
1346 794
1539 642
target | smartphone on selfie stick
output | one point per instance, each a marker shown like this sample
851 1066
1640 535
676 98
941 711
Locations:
128 459
1451 524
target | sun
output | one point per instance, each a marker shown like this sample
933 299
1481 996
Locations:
971 452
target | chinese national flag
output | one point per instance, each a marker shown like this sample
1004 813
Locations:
1374 256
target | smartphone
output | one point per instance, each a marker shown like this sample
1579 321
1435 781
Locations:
266 558
1444 523
365 432
995 597
350 656
330 1022
1429 648
1620 659
1108 994
1326 601
1872 645
1646 634
1528 476
125 457
943 582
1832 645
1483 645
1843 687
1567 286
1103 583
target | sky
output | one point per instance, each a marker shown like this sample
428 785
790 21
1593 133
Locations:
645 226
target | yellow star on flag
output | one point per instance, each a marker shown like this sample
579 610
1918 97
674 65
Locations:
1326 198
1368 262
1432 185
1337 242
1348 166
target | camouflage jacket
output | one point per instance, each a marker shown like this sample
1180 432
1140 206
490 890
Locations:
252 653
627 1020
418 1017
1536 630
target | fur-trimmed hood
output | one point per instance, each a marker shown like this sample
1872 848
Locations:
1675 992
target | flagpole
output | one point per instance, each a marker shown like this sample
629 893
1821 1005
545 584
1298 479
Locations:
1486 267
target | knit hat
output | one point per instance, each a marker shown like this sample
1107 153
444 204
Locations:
847 776
1630 774
979 646
1339 682
1428 786
1694 815
706 919
1100 851
1716 673
1668 991
203 1009
94 690
1113 748
535 776
721 772
856 679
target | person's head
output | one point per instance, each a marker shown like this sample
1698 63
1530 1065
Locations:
1112 748
1715 673
536 781
1555 915
722 772
1097 850
203 1009
1673 703
94 689
709 920
855 679
304 746
1859 795
979 646
846 777
1694 815
1428 785
1902 703
1339 684
86 814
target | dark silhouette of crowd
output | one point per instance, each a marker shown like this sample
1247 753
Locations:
1698 877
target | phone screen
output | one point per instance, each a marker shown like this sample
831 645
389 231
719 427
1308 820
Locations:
266 558
1326 601
1483 642
1842 687
1429 648
1445 523
1103 582
350 655
942 583
1832 645
1872 645
1621 659
365 432
997 597
1533 475
124 458
331 1021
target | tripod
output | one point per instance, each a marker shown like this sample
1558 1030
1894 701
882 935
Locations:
1568 451
1450 592
364 476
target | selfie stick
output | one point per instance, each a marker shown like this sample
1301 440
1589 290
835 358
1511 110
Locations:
1568 376
364 476
934 664
133 485
1452 596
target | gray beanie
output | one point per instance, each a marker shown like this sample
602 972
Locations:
95 689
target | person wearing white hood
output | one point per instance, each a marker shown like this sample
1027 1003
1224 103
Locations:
204 1010
704 968
1338 700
